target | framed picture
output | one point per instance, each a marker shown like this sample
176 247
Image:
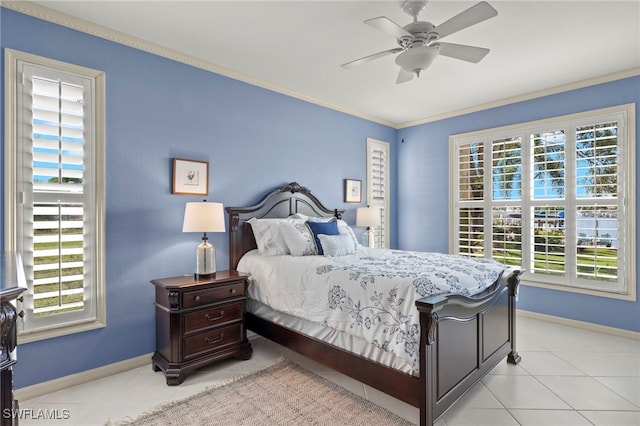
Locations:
190 177
352 191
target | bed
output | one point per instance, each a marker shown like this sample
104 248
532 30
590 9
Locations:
460 337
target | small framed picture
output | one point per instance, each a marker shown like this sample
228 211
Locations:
190 177
352 191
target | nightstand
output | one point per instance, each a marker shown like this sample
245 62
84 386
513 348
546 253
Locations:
199 321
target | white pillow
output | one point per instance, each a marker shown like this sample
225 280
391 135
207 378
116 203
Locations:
298 238
337 245
345 229
268 236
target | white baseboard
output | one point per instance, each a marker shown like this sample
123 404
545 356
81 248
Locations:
44 388
628 334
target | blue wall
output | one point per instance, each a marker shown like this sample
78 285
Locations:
157 109
254 140
423 160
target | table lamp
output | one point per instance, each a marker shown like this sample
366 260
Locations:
204 217
369 217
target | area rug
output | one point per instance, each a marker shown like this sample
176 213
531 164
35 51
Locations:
281 394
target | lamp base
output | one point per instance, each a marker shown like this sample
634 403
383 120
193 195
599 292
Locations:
205 260
197 276
371 239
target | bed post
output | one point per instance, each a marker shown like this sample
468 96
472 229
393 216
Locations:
428 364
513 357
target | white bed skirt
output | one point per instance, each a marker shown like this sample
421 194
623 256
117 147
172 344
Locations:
334 337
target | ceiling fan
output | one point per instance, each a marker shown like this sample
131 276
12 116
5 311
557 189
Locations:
420 42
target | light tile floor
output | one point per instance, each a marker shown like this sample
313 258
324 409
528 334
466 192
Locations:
567 376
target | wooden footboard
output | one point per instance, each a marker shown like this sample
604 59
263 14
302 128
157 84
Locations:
462 339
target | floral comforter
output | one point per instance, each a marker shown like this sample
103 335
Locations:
370 294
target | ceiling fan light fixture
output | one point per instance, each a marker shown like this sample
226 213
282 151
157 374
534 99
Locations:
417 59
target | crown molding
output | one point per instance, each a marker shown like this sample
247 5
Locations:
47 14
632 72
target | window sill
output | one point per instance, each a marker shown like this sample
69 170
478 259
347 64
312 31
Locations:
630 296
53 332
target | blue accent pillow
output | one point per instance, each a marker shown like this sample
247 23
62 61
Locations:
326 228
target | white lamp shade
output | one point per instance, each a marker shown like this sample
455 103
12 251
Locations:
368 216
203 217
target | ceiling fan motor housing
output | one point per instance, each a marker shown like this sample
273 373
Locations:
423 33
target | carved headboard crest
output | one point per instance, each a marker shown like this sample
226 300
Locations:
294 187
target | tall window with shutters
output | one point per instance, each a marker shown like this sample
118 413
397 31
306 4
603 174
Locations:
378 187
554 197
55 152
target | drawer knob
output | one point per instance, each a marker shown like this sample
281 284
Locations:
217 317
197 298
216 340
232 291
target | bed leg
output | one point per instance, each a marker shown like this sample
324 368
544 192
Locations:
513 357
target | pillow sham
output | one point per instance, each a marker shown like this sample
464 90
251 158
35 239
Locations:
299 238
268 236
326 228
336 245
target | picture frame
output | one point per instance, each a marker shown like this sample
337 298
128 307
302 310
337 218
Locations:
352 191
190 177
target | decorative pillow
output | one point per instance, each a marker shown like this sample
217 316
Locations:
336 245
299 238
268 236
326 228
345 229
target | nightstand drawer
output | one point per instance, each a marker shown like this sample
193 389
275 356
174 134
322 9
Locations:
211 317
212 340
191 299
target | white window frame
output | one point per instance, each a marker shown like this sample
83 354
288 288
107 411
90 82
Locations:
94 314
625 288
383 232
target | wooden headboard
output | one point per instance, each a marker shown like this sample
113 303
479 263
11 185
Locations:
281 202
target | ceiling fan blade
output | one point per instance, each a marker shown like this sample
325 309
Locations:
371 57
404 76
474 15
386 25
463 52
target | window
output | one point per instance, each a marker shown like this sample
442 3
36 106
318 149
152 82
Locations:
378 187
554 197
54 186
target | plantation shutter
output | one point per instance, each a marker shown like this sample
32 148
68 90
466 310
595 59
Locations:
548 202
506 207
378 187
56 209
470 215
598 208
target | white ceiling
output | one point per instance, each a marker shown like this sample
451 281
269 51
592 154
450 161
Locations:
297 47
